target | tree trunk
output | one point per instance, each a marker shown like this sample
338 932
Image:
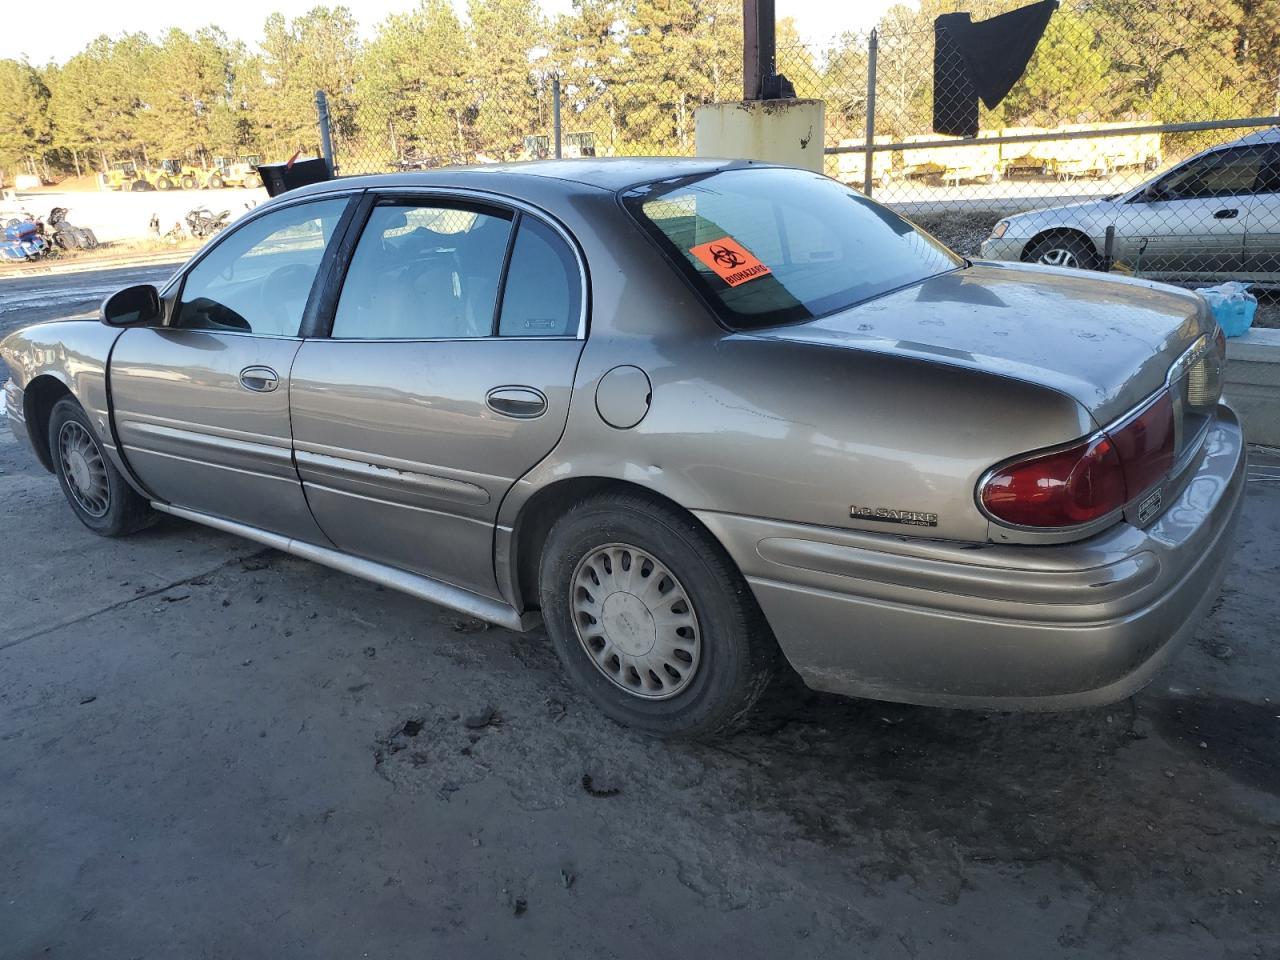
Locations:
75 156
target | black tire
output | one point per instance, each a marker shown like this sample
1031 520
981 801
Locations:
737 654
189 183
164 183
141 186
215 182
1063 250
124 511
252 181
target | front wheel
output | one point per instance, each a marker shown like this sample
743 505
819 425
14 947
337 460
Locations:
652 620
1063 251
97 493
215 182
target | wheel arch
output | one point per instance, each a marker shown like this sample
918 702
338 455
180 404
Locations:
1052 233
38 401
540 512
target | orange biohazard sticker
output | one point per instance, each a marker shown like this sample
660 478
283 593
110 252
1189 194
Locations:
731 261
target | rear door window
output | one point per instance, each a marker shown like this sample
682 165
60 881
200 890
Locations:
542 296
424 271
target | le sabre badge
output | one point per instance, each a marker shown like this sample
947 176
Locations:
732 262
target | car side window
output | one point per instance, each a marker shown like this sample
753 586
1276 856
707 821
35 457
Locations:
543 293
426 271
258 277
1222 174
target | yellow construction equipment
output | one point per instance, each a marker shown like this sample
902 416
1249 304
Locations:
173 174
240 172
123 175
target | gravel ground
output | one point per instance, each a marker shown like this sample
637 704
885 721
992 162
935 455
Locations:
962 232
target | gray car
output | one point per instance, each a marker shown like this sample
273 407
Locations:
701 418
1215 216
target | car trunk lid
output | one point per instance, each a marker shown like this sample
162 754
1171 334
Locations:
1108 342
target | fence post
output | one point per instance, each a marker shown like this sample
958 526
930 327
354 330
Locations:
326 137
873 49
555 111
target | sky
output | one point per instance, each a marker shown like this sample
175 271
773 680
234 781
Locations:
29 30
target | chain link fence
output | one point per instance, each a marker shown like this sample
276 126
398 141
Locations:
1103 137
647 110
1125 144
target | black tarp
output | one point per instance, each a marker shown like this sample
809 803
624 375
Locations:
983 59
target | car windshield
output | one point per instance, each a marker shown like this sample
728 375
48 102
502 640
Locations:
771 245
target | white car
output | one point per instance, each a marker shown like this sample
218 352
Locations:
1215 216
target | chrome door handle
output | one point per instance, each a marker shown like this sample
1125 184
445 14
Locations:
1228 214
259 379
521 403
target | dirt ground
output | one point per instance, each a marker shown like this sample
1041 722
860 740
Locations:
211 750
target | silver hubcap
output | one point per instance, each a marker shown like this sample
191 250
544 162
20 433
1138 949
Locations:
1059 257
84 468
635 621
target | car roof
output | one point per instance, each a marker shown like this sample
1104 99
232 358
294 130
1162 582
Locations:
586 175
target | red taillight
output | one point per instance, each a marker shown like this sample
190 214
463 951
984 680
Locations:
1145 444
1061 489
1099 475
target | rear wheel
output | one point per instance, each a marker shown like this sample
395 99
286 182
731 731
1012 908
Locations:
1063 250
97 493
651 619
252 181
164 183
215 182
189 182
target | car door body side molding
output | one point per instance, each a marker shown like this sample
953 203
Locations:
425 588
173 438
323 469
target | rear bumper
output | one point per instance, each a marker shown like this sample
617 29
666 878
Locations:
996 627
11 401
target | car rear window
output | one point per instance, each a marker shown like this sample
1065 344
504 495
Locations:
769 245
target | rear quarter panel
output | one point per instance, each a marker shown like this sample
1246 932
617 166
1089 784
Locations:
806 433
783 430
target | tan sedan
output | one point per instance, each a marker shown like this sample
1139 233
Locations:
703 419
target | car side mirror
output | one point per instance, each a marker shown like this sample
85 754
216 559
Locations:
134 306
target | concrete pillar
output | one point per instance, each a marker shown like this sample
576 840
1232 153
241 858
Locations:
779 131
